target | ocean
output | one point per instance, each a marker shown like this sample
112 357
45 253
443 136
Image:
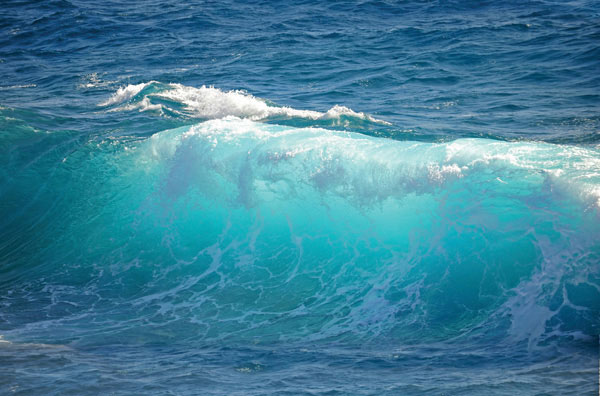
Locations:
299 198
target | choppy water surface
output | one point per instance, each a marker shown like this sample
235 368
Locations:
358 198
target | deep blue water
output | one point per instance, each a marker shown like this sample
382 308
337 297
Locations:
319 198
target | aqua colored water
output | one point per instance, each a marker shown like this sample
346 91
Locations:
319 198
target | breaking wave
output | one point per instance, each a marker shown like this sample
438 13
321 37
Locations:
213 103
241 231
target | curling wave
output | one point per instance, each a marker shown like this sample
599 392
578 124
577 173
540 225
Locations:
243 231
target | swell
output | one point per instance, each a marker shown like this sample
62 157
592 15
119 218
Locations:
238 231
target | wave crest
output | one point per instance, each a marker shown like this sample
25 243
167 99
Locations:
209 102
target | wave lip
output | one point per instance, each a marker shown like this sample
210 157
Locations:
208 102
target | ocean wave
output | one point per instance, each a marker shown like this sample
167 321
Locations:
249 231
213 103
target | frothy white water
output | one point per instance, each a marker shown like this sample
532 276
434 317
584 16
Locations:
123 94
213 103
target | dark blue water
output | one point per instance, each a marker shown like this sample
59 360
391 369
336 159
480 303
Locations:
264 198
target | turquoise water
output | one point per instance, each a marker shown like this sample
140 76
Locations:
363 198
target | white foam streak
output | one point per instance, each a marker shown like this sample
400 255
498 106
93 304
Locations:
2 88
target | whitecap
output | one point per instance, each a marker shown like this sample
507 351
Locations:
212 103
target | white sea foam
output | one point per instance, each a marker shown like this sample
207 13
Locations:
124 94
213 103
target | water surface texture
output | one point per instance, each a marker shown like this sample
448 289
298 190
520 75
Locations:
319 198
